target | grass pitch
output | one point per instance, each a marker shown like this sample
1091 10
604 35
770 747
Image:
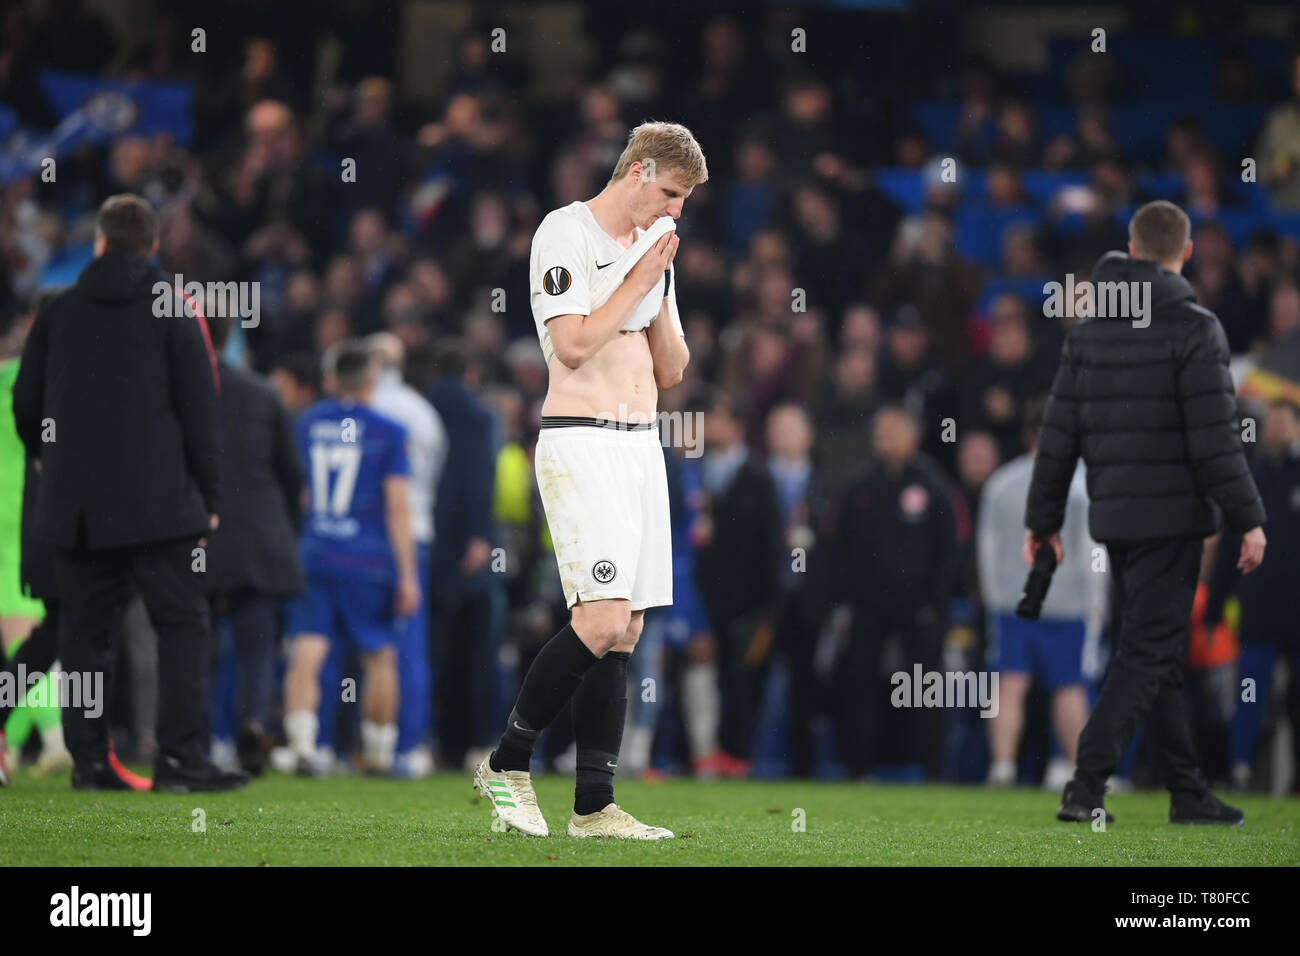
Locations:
287 821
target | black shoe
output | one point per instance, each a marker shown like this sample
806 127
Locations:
250 747
1203 809
97 775
1077 805
175 776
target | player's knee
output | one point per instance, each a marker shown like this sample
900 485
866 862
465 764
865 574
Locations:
601 627
309 654
606 637
1013 684
700 650
382 657
627 643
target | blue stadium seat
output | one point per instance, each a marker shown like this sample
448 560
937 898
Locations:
1043 184
1253 195
1162 185
1287 224
1240 224
937 119
1234 128
979 230
1054 118
903 186
1030 289
66 265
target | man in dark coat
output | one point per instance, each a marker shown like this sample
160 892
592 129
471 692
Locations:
466 599
894 558
117 397
738 573
804 497
36 576
252 558
1144 395
1269 625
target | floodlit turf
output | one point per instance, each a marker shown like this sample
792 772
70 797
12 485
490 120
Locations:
287 821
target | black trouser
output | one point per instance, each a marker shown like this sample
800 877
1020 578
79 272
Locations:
35 655
743 660
95 586
863 693
1155 585
463 655
798 627
255 632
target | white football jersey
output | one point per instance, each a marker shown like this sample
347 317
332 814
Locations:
575 266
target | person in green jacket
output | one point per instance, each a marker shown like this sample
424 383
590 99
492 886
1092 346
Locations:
20 613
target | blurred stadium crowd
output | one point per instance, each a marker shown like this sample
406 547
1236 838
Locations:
844 292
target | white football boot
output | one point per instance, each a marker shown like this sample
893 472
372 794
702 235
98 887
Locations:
615 822
513 799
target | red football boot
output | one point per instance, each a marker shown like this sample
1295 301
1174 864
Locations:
133 780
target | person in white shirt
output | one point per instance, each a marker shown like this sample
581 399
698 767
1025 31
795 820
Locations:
605 305
1052 648
426 449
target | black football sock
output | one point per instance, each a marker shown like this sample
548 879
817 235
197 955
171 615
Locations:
556 673
599 709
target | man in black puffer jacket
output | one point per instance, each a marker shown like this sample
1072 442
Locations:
1145 397
117 399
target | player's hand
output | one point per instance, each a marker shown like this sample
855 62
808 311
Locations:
213 521
1031 545
1253 543
477 553
649 270
760 642
701 648
407 600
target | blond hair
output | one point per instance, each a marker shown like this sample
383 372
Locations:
671 148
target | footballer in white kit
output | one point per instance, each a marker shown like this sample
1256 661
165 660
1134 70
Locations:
604 300
601 478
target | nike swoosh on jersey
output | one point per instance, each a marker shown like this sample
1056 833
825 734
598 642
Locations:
606 265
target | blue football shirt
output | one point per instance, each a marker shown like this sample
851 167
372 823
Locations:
347 451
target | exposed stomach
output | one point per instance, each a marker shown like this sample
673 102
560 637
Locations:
617 383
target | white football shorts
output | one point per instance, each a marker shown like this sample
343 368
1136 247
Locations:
605 492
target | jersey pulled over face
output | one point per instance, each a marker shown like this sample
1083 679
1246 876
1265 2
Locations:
575 266
347 450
